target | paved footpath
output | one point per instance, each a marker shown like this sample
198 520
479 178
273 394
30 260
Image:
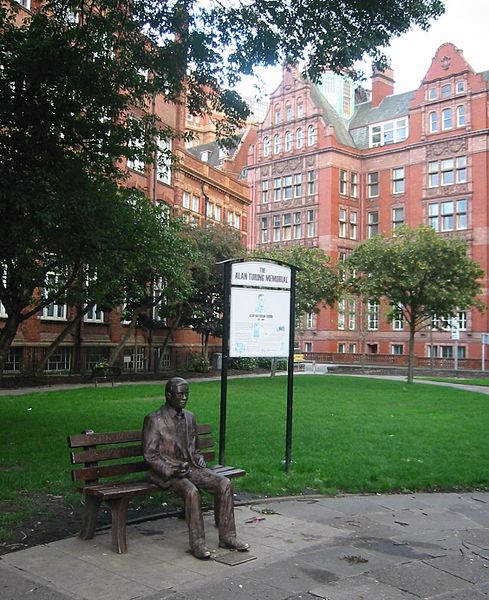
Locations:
376 547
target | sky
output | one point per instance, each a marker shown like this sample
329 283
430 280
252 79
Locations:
465 24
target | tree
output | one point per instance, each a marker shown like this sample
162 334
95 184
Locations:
419 272
204 309
78 82
316 279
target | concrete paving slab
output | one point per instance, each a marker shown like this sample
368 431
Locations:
360 587
477 537
353 505
311 511
430 519
420 579
461 595
470 568
366 526
402 551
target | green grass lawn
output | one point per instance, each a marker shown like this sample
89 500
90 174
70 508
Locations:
350 434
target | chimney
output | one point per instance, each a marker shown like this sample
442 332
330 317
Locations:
382 85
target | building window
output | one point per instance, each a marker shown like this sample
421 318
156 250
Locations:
341 314
460 87
449 215
343 182
447 171
354 185
163 160
209 209
397 217
341 348
286 227
373 316
299 138
186 200
398 184
277 116
433 122
397 349
373 184
266 146
353 225
12 362
287 187
460 116
311 135
352 314
53 310
462 320
59 361
297 226
217 213
264 230
276 228
311 183
352 348
446 119
277 144
310 223
94 314
264 191
297 185
300 110
398 320
389 132
446 90
432 93
277 189
342 223
288 141
310 320
373 224
135 358
307 347
288 113
195 203
136 163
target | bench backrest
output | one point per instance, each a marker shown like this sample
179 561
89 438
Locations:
100 455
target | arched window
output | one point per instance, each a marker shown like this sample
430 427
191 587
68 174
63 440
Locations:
300 109
433 122
288 141
460 116
311 135
277 144
266 146
299 138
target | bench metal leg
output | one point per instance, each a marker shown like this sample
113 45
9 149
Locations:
92 504
118 509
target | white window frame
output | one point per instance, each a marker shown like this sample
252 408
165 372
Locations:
373 316
163 162
299 138
265 191
398 180
372 223
396 220
59 310
373 184
460 115
266 146
94 315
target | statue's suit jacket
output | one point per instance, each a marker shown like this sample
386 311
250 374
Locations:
163 450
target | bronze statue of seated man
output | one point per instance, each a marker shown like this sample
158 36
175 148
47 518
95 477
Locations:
170 449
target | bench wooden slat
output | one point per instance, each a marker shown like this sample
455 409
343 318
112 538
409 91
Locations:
229 471
91 473
96 455
94 439
205 442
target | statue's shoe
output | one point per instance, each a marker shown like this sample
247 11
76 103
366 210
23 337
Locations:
201 551
234 544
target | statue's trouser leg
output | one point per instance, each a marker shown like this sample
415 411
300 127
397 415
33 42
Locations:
193 512
222 490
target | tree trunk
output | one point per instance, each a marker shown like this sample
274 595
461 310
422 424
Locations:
62 336
273 367
410 372
7 335
129 329
174 325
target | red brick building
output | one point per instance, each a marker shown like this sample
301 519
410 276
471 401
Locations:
199 190
332 167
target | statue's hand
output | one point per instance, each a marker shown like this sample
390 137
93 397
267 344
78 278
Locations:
200 461
183 469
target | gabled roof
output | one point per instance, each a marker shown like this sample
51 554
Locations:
391 107
331 117
214 153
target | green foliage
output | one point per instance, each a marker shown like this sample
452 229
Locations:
243 364
316 279
266 363
197 362
419 273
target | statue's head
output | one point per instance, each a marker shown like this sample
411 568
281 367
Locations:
176 392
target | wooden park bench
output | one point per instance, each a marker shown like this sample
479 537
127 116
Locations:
101 482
